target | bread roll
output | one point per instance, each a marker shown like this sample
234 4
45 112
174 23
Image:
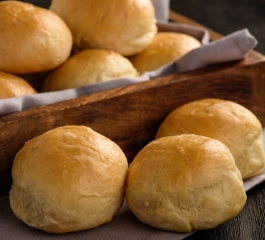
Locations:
124 26
13 86
166 47
184 183
68 179
232 124
89 66
32 39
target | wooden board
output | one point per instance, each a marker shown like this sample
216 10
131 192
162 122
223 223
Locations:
131 115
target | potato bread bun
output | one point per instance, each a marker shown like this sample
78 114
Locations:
232 124
184 183
89 66
67 179
166 47
13 86
124 26
32 39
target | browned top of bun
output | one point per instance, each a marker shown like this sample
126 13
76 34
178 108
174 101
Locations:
165 48
89 66
13 86
229 122
32 39
184 183
68 179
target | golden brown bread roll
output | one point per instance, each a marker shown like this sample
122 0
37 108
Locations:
32 39
232 124
89 66
68 179
184 183
124 26
166 47
13 86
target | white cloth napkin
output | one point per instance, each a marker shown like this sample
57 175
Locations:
232 47
161 9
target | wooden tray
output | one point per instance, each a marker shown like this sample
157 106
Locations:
131 115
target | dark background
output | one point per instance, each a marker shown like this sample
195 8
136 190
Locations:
227 16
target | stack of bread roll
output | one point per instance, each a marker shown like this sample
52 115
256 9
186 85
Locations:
105 33
75 43
117 30
72 178
191 176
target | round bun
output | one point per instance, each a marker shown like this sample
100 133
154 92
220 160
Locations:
124 26
89 66
32 39
68 179
184 183
166 47
232 124
13 86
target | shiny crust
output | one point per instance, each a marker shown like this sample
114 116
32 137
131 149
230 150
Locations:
184 183
32 39
68 179
89 66
124 26
166 47
226 121
13 86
